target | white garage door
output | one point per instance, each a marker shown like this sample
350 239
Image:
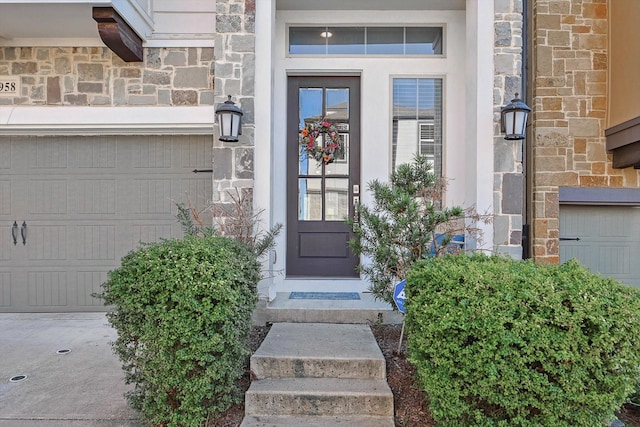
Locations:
604 238
76 205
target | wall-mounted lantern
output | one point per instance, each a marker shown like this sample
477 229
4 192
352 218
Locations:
514 119
229 121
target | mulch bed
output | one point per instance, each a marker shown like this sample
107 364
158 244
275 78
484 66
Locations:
410 406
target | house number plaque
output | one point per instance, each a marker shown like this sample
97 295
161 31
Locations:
9 86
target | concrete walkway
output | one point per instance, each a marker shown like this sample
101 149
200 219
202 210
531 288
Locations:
83 387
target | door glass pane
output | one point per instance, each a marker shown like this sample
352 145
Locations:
336 199
338 107
310 105
308 165
310 112
340 164
338 114
310 199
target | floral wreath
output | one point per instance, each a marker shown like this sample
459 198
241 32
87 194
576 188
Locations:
312 145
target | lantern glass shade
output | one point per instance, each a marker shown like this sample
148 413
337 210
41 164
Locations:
229 119
514 119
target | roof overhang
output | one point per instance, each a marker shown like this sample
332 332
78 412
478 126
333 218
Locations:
623 141
66 22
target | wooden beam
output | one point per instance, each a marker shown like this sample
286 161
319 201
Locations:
118 35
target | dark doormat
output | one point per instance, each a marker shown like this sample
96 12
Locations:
325 295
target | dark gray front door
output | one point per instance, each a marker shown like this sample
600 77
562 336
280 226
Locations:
321 196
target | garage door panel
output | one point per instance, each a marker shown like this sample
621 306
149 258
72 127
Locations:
95 242
151 196
5 155
5 197
87 202
88 282
195 191
47 242
147 233
614 225
48 197
93 153
5 289
44 153
94 196
151 153
614 260
48 289
6 242
609 240
581 252
193 154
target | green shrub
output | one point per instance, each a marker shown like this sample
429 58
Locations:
634 399
406 223
183 313
498 342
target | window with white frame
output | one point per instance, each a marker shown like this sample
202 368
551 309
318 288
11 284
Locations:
417 121
371 40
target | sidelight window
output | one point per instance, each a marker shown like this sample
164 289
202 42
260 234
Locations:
417 121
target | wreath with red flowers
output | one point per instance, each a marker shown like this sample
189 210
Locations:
326 149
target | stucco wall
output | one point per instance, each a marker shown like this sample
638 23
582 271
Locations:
569 111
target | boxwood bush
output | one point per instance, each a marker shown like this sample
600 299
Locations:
498 342
182 309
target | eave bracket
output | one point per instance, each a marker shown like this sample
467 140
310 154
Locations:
118 35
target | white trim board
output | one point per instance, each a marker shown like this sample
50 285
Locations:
41 120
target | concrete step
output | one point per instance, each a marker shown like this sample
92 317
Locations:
319 396
311 421
366 310
296 350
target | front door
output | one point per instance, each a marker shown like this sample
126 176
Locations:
320 197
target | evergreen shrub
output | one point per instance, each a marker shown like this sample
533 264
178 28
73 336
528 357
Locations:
182 310
405 223
498 342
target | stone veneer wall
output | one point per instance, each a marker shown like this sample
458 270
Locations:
569 110
95 76
508 187
235 76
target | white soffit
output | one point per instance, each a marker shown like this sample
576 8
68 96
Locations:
63 22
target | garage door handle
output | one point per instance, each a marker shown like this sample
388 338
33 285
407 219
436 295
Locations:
14 232
23 232
577 239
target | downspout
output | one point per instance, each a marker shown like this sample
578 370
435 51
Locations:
527 96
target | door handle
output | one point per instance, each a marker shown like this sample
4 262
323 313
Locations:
563 239
14 232
23 232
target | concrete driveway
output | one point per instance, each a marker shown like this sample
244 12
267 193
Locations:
80 387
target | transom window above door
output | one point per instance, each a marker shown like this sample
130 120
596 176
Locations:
337 40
